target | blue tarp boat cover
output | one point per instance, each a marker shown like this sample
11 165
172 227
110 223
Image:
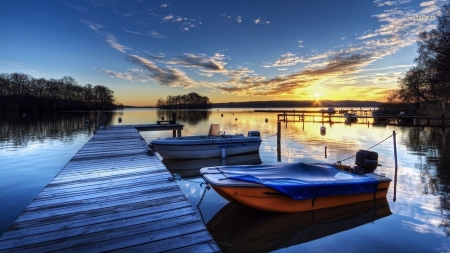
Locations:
303 181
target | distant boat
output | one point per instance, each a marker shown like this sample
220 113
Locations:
350 117
298 186
379 113
380 117
215 144
330 110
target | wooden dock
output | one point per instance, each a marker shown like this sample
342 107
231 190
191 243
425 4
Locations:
111 196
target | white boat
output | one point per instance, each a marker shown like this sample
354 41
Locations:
351 117
330 110
215 144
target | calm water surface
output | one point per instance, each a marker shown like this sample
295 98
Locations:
34 148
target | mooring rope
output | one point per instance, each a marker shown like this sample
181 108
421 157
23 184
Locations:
369 148
201 199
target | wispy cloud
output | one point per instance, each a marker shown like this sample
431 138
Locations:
111 40
259 21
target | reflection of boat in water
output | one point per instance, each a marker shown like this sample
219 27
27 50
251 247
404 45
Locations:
298 186
191 168
350 117
242 229
381 121
216 144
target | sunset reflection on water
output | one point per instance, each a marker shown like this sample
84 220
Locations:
420 215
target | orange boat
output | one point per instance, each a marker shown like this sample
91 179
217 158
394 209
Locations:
294 187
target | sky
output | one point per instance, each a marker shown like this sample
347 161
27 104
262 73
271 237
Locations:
227 50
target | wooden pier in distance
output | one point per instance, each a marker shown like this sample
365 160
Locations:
324 117
111 196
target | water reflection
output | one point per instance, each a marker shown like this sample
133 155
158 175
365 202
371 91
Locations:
19 130
431 145
34 147
238 228
191 168
189 116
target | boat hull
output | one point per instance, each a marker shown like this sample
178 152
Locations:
205 147
267 199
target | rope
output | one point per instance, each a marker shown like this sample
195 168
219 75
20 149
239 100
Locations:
368 148
201 199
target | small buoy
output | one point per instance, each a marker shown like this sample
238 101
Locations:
119 120
323 129
162 118
266 120
86 122
221 115
235 119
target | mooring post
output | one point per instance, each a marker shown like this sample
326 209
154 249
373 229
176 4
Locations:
174 121
278 141
303 120
174 117
396 167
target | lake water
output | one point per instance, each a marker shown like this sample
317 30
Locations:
35 147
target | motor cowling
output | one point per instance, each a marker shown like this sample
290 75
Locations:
253 133
366 161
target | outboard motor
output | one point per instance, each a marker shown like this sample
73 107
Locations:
253 133
366 162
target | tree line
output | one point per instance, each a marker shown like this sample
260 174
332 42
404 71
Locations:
20 91
428 82
189 101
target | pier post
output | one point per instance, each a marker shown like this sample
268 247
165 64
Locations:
278 141
303 120
174 121
396 167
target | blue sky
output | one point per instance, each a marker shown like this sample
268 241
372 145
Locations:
226 50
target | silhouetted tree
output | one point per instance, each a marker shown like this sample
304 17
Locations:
21 92
190 101
429 80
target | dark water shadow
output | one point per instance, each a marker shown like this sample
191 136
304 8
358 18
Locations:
238 228
191 167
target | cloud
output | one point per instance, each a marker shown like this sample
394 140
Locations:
343 38
258 21
201 61
168 76
381 3
156 35
111 40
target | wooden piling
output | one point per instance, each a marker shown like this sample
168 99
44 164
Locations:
279 141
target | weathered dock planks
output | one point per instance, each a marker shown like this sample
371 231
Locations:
111 196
